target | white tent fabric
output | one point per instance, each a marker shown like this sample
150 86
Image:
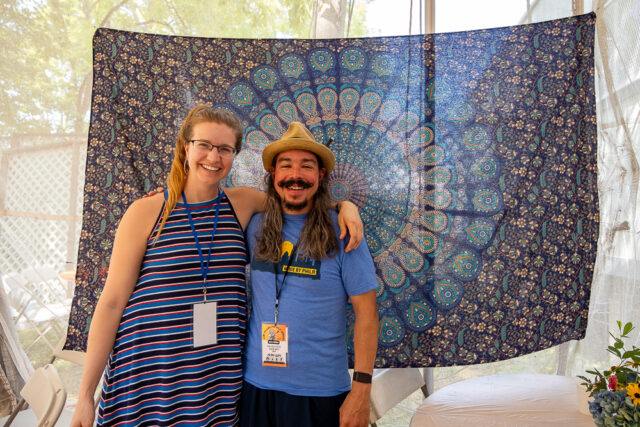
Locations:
615 294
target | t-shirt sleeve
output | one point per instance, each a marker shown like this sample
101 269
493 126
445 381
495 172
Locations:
358 271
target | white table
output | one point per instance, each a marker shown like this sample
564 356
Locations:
506 400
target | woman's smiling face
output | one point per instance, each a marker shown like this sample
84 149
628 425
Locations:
207 165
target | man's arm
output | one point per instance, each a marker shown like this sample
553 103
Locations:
354 412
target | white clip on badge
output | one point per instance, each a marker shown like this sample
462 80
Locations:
205 328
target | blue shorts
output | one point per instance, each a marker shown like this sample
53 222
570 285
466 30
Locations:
271 408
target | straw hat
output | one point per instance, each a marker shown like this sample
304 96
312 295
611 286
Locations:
298 137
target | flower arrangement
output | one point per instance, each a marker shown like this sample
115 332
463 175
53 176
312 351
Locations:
616 391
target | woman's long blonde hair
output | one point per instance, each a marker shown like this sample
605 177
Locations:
178 175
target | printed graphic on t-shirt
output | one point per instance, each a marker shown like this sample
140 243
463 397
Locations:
300 266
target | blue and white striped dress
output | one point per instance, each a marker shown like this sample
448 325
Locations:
155 377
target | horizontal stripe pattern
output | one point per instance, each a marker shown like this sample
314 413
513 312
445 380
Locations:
155 377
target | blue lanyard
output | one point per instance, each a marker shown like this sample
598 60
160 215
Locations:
204 266
276 311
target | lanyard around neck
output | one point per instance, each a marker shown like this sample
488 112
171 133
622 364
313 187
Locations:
284 277
204 266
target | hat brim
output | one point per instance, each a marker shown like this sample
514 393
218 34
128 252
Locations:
277 147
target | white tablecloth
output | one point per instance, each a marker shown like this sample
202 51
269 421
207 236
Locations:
505 400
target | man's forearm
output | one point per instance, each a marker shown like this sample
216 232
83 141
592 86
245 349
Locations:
354 412
365 334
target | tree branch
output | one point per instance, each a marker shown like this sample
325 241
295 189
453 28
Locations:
152 21
111 11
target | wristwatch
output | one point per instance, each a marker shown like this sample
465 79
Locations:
362 377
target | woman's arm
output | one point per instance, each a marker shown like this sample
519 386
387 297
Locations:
129 247
349 218
246 201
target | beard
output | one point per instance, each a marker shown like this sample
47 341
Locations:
297 206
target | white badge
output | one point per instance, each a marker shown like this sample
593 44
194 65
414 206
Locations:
205 328
275 345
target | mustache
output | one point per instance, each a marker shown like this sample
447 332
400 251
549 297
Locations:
294 182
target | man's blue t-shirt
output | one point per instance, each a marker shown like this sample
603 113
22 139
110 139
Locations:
313 306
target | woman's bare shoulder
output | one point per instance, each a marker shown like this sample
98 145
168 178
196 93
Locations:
142 213
246 201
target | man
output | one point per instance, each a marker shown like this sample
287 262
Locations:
301 279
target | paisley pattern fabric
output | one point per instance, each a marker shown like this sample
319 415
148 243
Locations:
471 155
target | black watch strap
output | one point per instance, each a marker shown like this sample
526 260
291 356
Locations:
362 377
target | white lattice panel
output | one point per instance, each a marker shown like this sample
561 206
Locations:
39 181
32 242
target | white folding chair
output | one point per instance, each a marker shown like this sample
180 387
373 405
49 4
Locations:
45 395
391 386
19 297
73 356
77 358
64 414
30 311
48 284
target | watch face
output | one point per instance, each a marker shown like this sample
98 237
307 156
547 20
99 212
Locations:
362 377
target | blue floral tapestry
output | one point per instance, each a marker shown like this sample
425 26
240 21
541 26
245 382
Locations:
471 155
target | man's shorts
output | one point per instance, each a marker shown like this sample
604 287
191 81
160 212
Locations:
271 408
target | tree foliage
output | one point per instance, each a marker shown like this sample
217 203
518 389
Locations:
45 73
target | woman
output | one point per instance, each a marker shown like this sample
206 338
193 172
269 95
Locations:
170 321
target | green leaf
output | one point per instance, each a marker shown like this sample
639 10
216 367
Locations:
629 402
627 328
613 350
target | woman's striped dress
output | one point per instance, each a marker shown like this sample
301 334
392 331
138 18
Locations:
155 377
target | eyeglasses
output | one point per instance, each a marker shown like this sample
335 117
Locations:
224 151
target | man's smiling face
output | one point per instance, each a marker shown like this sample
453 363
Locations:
296 178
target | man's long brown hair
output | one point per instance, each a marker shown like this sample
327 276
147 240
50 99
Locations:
318 237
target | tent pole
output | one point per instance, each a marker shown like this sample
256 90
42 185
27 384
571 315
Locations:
430 16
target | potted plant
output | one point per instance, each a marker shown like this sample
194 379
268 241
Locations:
616 391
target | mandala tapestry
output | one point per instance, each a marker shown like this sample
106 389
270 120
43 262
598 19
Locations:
471 155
